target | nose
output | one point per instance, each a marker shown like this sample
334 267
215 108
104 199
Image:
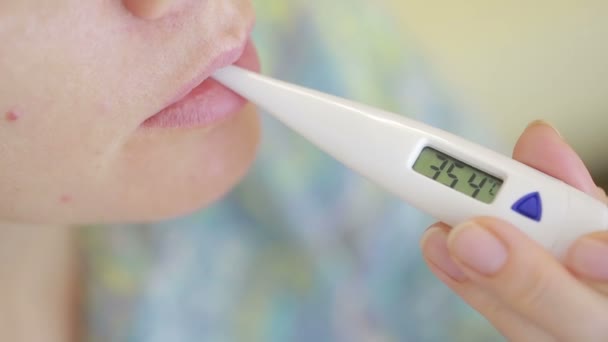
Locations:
152 9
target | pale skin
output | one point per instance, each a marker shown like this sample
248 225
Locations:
77 78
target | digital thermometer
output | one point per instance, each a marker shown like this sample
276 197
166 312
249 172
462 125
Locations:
437 172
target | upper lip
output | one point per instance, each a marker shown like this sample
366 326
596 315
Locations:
224 59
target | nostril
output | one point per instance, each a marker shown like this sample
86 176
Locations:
151 9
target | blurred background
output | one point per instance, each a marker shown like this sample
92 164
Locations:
306 250
511 62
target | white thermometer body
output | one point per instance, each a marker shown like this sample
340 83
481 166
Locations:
440 173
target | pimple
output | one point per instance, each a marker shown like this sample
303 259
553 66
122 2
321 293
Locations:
12 116
65 199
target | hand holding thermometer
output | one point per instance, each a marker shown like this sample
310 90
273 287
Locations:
440 173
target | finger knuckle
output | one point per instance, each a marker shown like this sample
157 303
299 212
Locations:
496 309
533 290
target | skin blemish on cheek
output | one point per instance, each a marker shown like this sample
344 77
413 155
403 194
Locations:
65 199
12 116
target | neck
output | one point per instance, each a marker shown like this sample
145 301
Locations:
38 283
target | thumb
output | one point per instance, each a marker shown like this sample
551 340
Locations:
542 147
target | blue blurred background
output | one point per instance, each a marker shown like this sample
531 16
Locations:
306 250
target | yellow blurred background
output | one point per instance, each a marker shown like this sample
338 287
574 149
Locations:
516 61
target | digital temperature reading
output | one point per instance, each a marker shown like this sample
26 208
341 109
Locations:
457 175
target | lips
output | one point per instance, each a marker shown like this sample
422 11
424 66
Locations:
205 101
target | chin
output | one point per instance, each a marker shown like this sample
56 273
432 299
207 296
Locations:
167 173
228 153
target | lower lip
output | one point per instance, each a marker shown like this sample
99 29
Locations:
208 103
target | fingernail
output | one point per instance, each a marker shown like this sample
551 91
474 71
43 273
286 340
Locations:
545 123
434 244
589 258
477 248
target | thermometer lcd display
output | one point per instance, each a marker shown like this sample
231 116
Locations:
457 175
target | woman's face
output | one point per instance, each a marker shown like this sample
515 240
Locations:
103 117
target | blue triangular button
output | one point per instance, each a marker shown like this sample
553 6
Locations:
530 206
